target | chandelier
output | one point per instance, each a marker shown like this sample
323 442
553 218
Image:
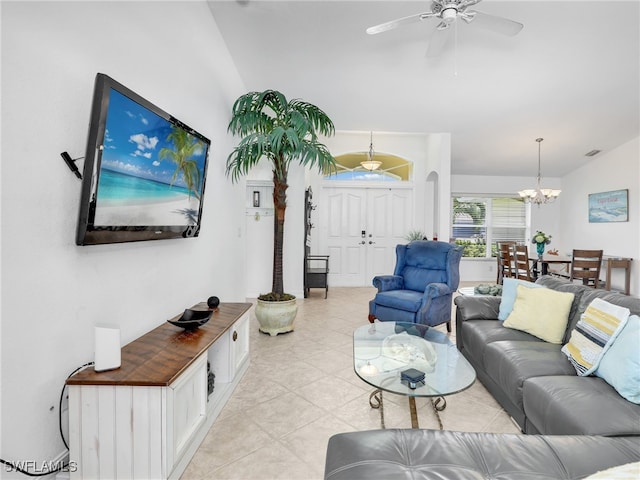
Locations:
370 164
539 195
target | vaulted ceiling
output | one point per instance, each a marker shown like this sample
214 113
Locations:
571 76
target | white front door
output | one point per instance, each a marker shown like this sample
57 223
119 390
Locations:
359 227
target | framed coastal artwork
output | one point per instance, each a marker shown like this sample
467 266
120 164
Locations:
607 207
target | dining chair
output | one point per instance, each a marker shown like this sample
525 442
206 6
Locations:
504 257
585 266
521 260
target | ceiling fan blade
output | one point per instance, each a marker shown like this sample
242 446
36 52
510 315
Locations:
383 27
494 23
464 4
438 39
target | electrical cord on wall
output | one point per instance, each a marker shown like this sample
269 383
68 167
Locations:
19 469
88 364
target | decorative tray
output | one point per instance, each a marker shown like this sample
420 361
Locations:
192 319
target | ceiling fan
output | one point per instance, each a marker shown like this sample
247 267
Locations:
449 11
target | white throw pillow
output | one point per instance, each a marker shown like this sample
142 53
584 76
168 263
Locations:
628 471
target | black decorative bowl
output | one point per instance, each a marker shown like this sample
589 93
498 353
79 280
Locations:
192 319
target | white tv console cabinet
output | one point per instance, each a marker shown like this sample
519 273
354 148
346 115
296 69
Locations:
147 419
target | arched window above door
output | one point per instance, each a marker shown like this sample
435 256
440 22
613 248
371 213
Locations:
391 168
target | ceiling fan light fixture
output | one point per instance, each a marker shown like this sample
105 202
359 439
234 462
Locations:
449 14
539 195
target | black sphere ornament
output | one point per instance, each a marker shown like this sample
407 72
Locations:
213 302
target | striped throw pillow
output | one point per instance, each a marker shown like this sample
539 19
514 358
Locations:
596 330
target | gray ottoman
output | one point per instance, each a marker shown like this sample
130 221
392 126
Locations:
437 455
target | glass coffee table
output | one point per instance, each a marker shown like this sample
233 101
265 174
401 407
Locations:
382 350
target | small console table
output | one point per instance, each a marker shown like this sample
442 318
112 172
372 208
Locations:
316 273
147 418
618 262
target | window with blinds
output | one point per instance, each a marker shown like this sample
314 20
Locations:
479 222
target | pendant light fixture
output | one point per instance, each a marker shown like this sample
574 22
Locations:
539 195
370 164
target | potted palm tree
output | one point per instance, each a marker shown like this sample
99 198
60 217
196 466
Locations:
281 131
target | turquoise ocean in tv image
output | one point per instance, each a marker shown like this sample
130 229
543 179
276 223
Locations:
119 188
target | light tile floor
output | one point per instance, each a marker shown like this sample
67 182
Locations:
300 389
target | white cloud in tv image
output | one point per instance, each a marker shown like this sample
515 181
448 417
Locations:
151 171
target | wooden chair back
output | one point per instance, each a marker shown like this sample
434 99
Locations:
504 255
522 264
585 266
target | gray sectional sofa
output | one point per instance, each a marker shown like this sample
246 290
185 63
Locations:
580 425
532 379
404 454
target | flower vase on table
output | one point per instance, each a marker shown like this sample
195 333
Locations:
541 239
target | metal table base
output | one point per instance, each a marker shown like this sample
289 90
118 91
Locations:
437 403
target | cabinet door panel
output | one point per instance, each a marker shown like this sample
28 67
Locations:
189 404
147 439
240 343
123 422
108 433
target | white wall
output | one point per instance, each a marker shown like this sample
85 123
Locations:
53 292
614 170
259 254
437 209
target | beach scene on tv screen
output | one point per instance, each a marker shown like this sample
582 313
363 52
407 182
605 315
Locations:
151 171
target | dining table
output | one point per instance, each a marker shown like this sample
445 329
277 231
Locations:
541 266
609 262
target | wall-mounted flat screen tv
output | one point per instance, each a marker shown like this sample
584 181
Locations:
144 171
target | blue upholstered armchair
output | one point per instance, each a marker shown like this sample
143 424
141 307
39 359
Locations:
421 287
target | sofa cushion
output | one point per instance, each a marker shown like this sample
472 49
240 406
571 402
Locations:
511 363
508 297
597 329
407 300
418 277
620 365
477 307
478 334
632 303
541 312
572 405
435 455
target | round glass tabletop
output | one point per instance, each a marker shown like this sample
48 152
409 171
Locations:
383 350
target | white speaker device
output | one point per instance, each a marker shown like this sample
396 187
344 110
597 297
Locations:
107 353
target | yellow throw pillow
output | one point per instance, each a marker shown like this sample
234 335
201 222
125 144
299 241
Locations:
542 312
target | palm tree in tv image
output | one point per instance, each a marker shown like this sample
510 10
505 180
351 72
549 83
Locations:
185 146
